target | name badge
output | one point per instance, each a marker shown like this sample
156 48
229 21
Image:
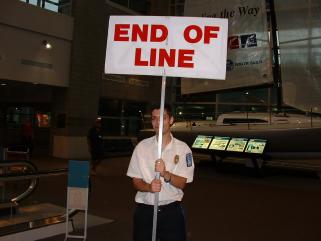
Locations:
176 159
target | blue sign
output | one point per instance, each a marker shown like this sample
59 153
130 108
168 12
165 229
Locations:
78 174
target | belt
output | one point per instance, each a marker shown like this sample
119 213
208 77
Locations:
160 207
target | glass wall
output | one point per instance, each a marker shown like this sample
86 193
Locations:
121 117
177 7
15 117
61 6
141 6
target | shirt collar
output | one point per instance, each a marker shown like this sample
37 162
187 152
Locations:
169 145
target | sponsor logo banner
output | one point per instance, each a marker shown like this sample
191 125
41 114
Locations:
248 53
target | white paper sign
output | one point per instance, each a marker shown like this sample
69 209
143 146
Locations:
172 46
77 198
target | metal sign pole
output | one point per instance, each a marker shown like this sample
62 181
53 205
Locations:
159 151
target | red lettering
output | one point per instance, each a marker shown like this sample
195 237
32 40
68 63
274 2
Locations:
182 58
198 36
185 55
138 56
141 32
210 32
169 58
121 29
153 35
152 58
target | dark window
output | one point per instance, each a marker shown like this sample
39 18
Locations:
232 121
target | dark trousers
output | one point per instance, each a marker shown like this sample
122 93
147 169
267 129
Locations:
171 225
27 141
96 157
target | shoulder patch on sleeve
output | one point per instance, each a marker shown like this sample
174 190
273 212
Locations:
189 159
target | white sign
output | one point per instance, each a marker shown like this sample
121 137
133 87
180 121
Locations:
77 198
171 46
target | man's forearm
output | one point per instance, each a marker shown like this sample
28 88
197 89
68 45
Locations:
176 181
141 185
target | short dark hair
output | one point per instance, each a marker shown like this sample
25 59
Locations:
156 106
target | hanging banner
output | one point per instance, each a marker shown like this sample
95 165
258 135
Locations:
248 53
171 46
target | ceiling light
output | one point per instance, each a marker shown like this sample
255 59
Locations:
47 44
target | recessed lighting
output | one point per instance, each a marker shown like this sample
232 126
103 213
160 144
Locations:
3 84
47 44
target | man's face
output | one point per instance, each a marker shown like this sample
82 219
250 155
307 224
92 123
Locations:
168 121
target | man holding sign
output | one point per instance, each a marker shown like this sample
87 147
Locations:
164 46
176 169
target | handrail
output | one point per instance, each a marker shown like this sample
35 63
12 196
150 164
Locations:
33 175
33 183
54 172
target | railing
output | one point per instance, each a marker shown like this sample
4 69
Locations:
14 172
11 171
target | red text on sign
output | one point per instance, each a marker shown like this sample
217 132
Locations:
182 58
143 33
209 33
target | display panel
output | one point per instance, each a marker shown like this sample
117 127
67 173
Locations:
237 144
202 142
219 143
255 146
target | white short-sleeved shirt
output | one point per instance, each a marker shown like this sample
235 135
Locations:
178 160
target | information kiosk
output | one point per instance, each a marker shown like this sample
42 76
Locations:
256 146
250 150
237 144
202 142
219 143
